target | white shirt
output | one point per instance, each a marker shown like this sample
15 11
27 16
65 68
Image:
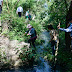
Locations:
26 13
1 2
69 29
20 9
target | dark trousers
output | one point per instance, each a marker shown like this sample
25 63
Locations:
0 9
32 41
53 44
19 13
53 50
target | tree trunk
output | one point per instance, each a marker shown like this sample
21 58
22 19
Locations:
67 35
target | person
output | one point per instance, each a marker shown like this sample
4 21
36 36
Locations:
33 35
69 29
29 17
27 14
53 38
1 4
19 11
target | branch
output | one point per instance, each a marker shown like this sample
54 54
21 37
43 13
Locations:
66 5
15 4
7 6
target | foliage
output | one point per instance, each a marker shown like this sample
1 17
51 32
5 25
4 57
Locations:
46 12
17 26
28 57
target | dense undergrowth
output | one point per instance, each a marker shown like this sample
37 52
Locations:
55 13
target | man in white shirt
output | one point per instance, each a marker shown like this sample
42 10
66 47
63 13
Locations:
1 4
19 11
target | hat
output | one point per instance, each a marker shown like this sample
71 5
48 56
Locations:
29 26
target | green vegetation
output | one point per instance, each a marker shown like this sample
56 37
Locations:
54 13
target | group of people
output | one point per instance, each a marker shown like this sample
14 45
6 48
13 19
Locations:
54 35
32 32
33 36
19 11
1 4
54 40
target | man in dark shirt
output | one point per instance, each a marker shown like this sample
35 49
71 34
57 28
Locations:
32 33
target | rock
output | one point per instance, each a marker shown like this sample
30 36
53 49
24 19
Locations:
10 51
15 57
13 43
17 63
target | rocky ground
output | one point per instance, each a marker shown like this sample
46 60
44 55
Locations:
10 51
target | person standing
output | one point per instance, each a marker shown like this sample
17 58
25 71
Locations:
19 11
27 14
53 38
1 4
69 29
29 17
33 35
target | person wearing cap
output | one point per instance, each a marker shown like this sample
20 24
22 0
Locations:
19 11
1 4
69 29
32 33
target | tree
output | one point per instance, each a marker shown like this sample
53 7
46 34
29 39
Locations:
67 35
